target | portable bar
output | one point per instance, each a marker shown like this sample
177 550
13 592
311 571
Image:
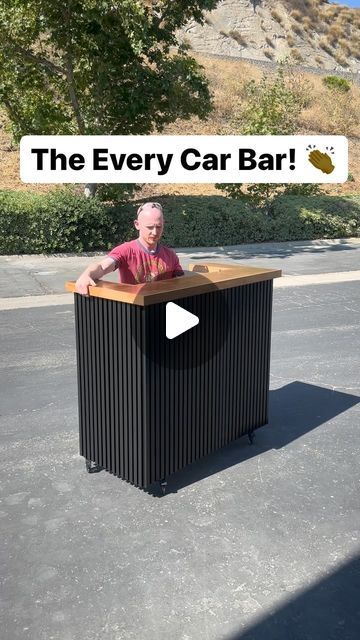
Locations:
149 406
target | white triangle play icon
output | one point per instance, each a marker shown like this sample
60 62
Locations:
178 320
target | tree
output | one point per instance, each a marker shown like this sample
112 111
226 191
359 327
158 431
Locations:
273 108
109 67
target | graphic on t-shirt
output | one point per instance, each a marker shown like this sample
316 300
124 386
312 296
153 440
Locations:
150 270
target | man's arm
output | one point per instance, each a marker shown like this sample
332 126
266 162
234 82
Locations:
177 268
93 273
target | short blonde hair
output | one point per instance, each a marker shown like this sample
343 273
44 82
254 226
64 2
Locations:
154 205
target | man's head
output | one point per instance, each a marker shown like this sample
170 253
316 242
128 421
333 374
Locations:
150 223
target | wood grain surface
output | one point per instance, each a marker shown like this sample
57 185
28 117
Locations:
201 278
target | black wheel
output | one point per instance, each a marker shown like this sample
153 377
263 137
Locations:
92 467
163 485
251 437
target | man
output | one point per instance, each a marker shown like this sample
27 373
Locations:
141 260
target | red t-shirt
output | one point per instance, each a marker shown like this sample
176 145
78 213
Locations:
137 264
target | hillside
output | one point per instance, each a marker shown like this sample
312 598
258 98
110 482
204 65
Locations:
313 33
326 113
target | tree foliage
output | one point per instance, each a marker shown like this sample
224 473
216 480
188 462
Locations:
98 66
273 107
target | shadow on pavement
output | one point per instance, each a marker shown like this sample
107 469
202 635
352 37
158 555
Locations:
329 610
294 410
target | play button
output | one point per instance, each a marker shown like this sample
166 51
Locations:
178 320
161 329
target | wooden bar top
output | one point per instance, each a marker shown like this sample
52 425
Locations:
200 278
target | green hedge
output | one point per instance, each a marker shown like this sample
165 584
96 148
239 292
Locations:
53 223
62 222
195 221
312 217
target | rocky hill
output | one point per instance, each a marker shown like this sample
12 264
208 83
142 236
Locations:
312 33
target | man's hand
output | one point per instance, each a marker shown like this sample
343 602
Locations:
321 161
83 283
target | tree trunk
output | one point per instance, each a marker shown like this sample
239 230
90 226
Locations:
90 190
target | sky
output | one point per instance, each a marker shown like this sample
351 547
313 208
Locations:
348 3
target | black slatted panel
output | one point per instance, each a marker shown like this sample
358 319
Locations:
112 387
207 402
148 406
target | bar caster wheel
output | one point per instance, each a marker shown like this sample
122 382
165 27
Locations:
163 485
92 467
251 437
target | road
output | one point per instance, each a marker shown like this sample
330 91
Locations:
252 542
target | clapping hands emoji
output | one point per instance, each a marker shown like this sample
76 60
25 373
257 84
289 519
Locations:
321 161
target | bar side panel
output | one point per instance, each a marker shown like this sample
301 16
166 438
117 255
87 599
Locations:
208 386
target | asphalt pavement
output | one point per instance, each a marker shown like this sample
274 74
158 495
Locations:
250 543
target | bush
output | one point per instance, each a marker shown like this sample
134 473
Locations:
296 29
273 108
62 224
342 113
307 24
345 48
311 217
238 38
339 84
290 40
269 54
60 221
211 221
341 60
276 16
297 55
326 47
